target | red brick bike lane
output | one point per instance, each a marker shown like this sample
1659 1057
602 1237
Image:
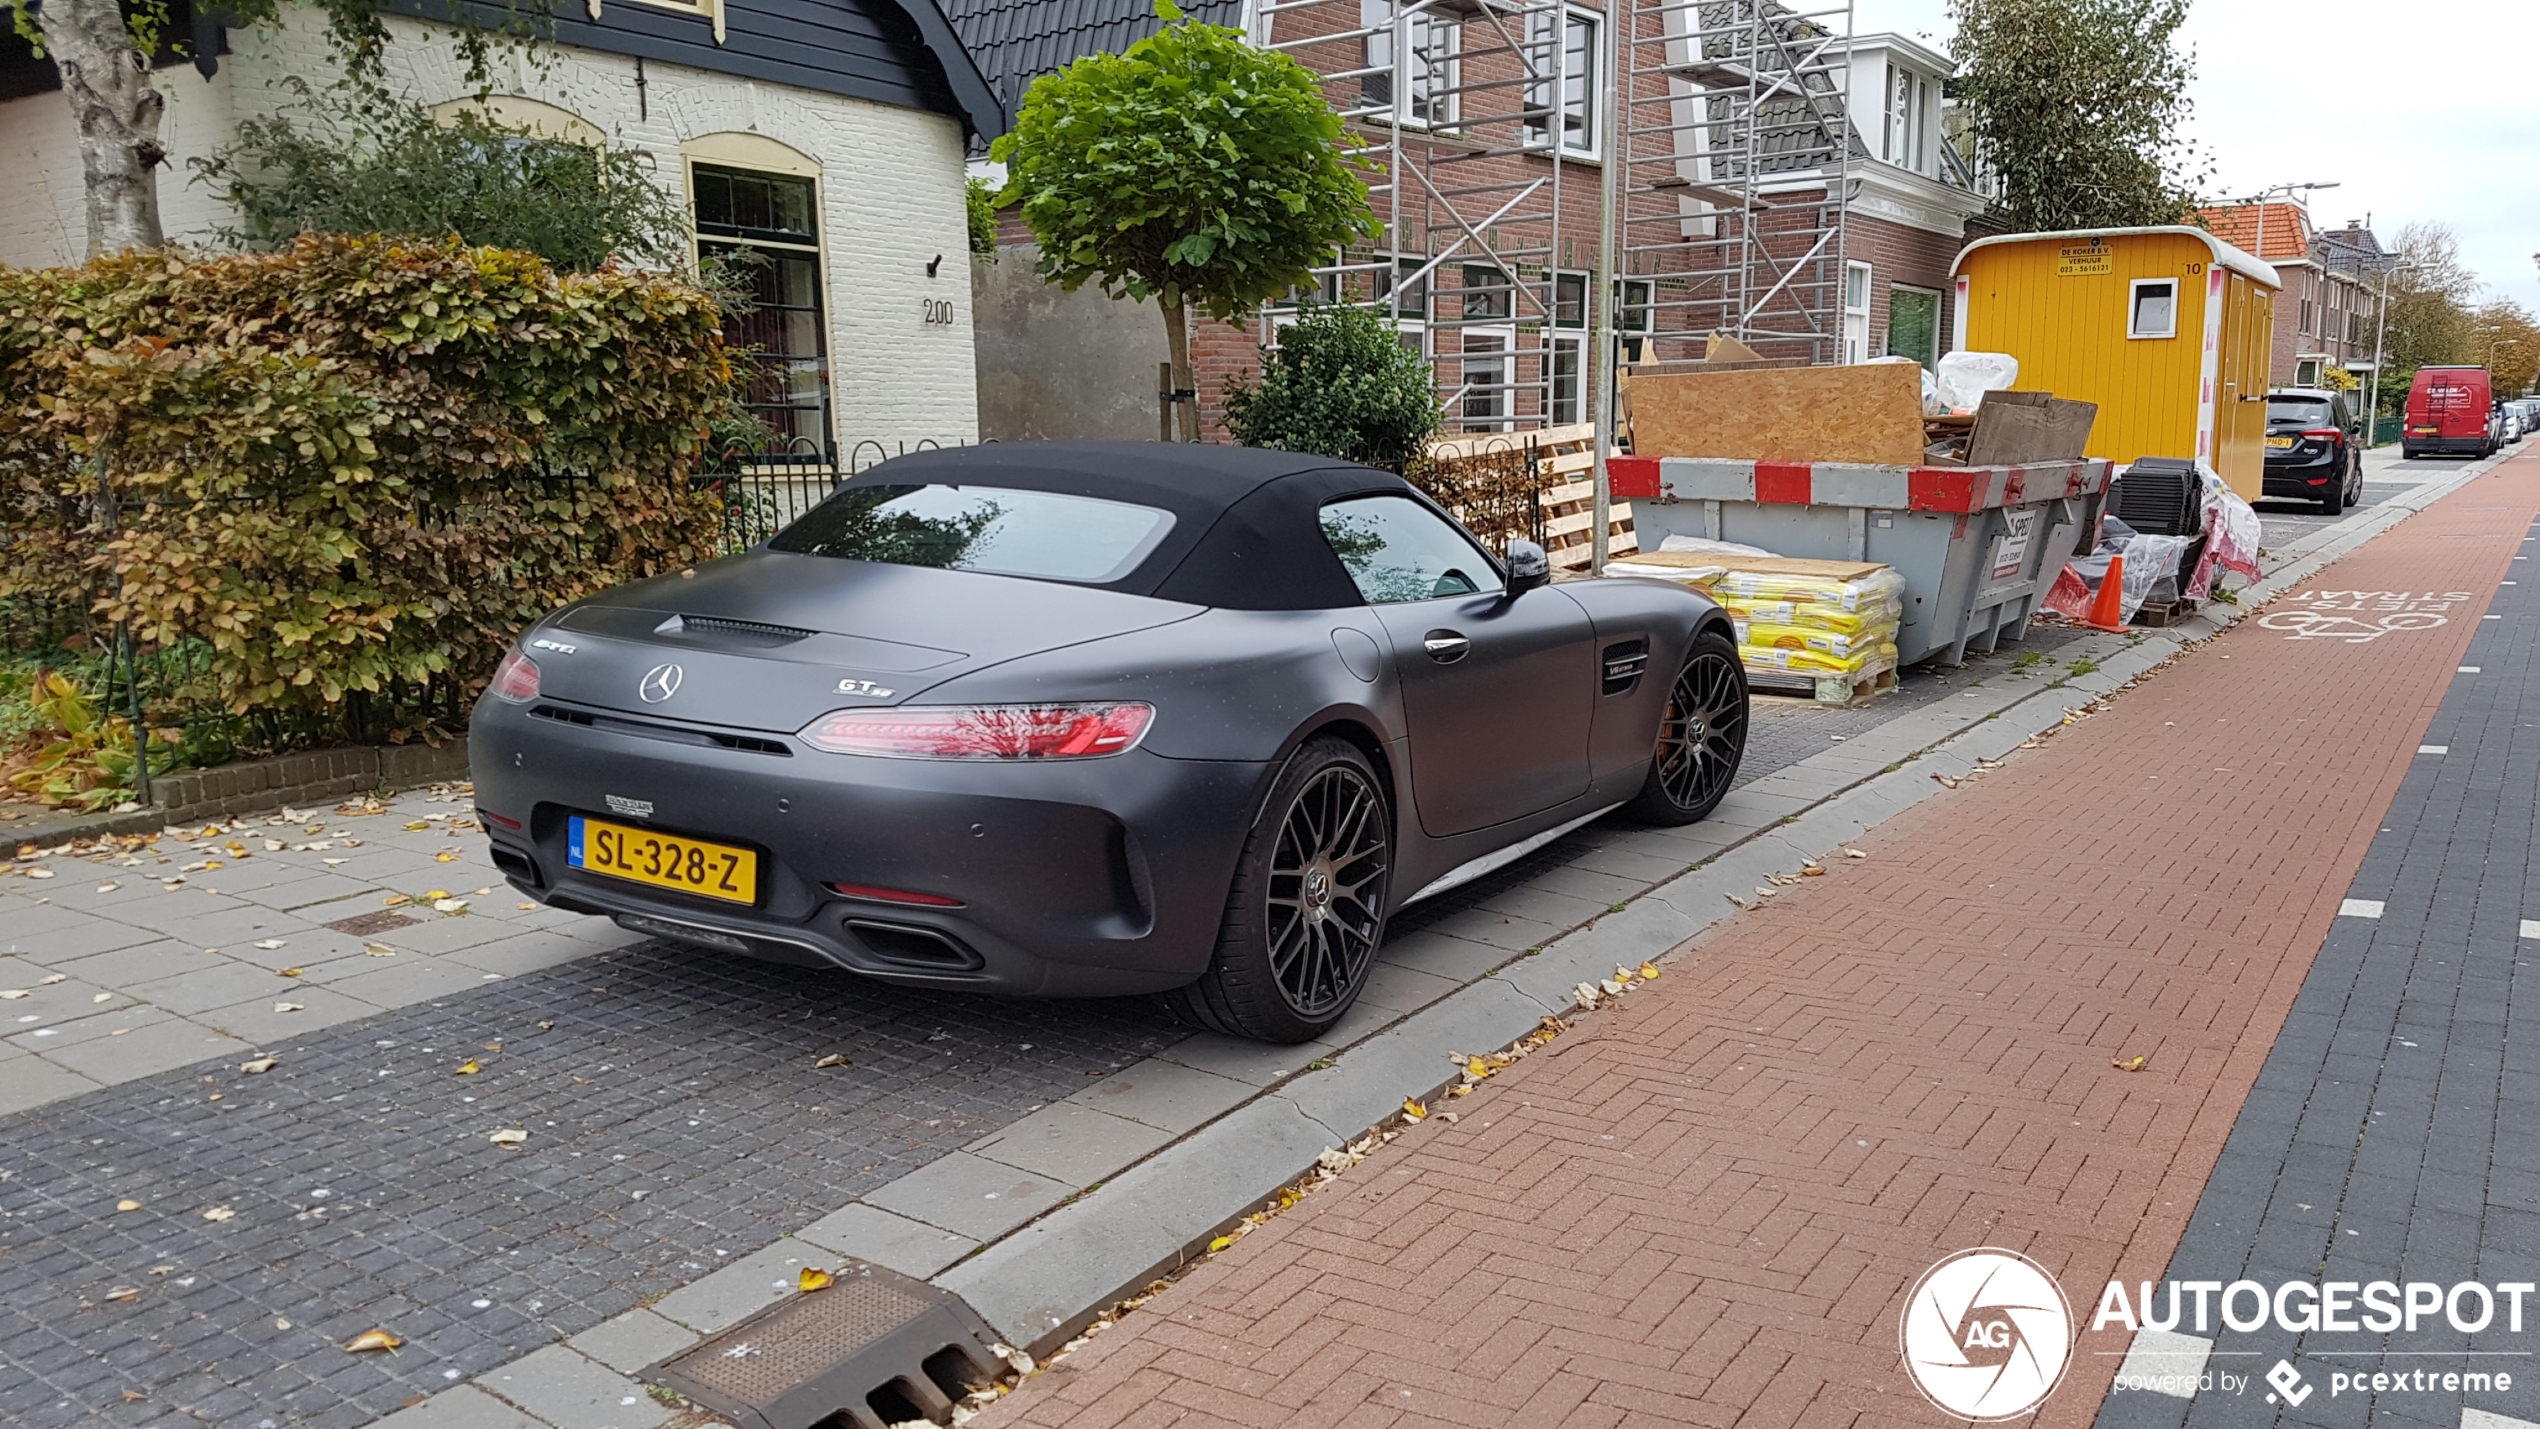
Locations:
1707 1206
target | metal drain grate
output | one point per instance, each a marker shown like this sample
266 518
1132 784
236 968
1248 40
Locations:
371 925
823 1358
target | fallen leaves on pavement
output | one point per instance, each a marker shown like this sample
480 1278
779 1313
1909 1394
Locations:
834 1059
290 1007
127 1204
217 1214
2130 1064
468 1068
508 1136
373 1340
813 1279
260 1066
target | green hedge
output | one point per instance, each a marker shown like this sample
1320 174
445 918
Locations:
355 468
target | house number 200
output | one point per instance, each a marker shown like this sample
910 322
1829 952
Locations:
937 310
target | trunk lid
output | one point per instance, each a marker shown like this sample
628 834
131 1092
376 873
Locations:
770 641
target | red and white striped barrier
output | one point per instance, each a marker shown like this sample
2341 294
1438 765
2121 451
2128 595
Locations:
1952 489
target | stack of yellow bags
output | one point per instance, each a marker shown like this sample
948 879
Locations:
1813 625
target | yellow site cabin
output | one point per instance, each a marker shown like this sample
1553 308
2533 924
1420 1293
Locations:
2169 330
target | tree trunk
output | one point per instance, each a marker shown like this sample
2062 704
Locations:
107 82
1177 344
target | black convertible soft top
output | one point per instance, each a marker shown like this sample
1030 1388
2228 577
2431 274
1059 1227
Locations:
1246 533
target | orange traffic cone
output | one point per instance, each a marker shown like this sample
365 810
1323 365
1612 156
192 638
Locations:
2107 612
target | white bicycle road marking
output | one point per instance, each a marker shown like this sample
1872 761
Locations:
2357 616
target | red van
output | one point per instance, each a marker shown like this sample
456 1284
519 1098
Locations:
2450 409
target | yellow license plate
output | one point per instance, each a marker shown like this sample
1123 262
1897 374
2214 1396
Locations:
709 870
2280 442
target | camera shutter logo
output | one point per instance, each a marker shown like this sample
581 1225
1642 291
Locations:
660 683
1986 1334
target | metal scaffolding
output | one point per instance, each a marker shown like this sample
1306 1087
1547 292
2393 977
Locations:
1479 120
1487 124
1736 171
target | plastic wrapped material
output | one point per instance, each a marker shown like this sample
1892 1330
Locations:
1812 614
1823 642
1818 662
1699 546
2231 539
1966 376
1877 589
2149 560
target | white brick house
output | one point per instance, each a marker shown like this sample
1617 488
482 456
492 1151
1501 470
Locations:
827 135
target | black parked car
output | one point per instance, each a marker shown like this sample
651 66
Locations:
1085 719
2314 447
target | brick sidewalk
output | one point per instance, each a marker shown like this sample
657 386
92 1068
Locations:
1706 1208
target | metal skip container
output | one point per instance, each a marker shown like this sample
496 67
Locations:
1978 546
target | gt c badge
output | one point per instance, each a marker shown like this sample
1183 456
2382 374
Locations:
660 683
863 687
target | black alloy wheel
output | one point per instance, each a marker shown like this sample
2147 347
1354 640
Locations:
1327 889
1306 913
1701 736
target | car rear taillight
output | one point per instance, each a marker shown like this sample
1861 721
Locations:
2325 434
511 824
983 731
516 679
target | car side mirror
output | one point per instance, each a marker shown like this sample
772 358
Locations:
1528 567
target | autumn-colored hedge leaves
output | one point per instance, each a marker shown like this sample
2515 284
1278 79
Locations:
355 464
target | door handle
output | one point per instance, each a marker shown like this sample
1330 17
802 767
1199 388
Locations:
1445 646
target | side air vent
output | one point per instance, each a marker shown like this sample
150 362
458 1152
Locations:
1623 665
715 630
670 734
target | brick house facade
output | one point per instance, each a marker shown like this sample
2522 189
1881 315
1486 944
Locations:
2328 311
1492 339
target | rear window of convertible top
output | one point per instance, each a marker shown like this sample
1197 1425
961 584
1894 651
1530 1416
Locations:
1002 531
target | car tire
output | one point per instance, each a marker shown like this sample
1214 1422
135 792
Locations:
1294 948
2334 503
1701 736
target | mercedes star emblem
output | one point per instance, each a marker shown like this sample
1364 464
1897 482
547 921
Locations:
660 683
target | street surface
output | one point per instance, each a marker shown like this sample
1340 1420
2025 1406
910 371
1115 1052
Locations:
1709 1208
678 1122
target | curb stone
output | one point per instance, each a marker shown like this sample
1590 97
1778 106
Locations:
1044 1281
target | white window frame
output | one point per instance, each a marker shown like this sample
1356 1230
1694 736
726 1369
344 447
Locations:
1857 275
1573 344
1406 105
1589 84
1504 390
710 11
2134 305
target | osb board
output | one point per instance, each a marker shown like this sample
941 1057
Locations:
1764 565
1867 413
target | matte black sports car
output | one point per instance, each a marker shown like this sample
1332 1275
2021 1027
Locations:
1093 719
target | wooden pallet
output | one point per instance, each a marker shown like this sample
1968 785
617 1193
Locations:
2165 614
1839 691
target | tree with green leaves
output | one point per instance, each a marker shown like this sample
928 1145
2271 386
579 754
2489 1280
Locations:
1191 168
368 164
2079 109
104 49
1340 384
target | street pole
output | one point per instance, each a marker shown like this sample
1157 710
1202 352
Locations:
2381 332
1608 351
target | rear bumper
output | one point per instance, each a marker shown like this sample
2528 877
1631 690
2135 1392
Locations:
2302 476
1082 878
